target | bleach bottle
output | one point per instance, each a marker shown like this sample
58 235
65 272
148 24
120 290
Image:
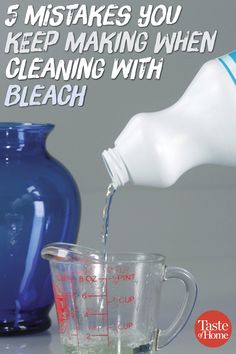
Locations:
155 149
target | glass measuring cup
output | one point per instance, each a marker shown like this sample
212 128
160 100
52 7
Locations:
111 306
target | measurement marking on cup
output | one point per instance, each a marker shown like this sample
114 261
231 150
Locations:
87 313
104 314
87 295
99 335
113 327
87 279
108 341
75 314
122 300
89 336
117 278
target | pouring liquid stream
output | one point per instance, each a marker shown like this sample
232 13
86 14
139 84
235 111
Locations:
106 340
105 231
105 237
106 217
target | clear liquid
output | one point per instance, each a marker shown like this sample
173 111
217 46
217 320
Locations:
106 217
105 228
98 348
129 342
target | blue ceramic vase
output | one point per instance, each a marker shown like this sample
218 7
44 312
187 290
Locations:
39 204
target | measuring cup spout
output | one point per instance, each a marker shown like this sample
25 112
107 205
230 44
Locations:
66 252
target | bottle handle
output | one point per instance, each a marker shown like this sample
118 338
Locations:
167 335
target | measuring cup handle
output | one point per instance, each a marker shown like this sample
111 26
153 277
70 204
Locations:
167 335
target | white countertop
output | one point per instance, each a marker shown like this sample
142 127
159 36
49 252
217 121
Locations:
49 343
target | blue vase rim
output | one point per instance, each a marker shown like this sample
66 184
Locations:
26 126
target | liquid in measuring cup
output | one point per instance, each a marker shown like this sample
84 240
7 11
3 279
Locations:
99 346
96 305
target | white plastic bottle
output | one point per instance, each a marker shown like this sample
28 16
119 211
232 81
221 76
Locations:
155 149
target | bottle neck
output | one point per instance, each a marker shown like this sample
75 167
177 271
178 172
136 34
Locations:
155 149
115 167
18 138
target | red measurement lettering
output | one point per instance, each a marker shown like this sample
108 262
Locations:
87 279
63 312
122 300
127 276
121 326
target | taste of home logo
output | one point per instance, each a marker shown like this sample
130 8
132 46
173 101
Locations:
213 329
